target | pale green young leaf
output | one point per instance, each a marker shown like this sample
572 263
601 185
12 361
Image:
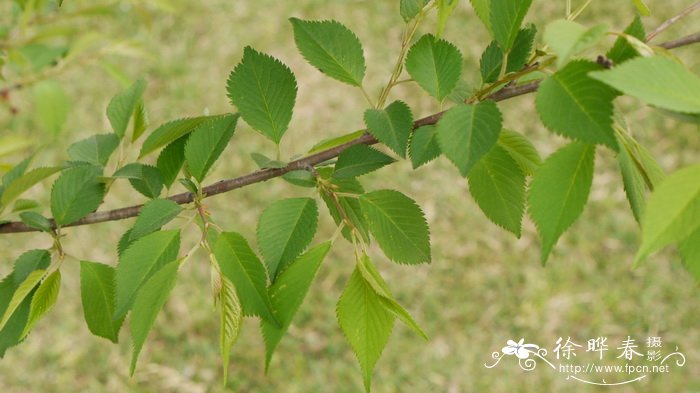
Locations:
498 186
398 225
23 290
139 262
642 7
148 303
239 264
622 50
672 212
22 183
22 205
51 105
95 149
171 159
335 141
287 294
445 8
170 132
140 121
391 126
658 80
206 143
97 293
332 48
16 171
36 221
424 146
482 9
10 334
76 193
230 319
154 214
44 298
366 323
690 252
122 106
411 8
559 191
506 16
466 132
264 162
285 229
572 104
264 90
435 64
349 205
568 38
359 160
521 150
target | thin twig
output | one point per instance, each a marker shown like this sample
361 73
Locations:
693 7
300 164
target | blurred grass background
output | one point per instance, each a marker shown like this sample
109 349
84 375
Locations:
483 287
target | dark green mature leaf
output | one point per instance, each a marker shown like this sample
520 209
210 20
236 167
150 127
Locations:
332 48
145 179
149 301
658 80
424 146
285 229
154 214
140 121
94 150
672 212
559 191
122 106
206 144
171 159
622 50
97 294
10 334
21 293
391 126
43 299
567 38
51 105
521 150
170 132
76 193
25 181
491 62
467 132
522 48
264 90
287 294
572 104
398 225
139 262
239 264
411 8
28 262
36 221
366 323
359 160
506 16
498 186
349 205
689 250
435 64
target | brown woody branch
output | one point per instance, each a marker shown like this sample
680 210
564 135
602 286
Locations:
304 163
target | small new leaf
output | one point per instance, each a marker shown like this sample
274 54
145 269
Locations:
568 38
170 132
36 221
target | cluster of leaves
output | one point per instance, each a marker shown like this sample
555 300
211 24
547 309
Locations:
506 176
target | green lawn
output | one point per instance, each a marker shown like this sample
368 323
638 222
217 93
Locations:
483 287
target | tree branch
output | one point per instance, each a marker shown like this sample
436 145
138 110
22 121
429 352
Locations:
262 175
691 8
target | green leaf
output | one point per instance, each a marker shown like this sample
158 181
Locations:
568 38
498 186
287 294
335 141
123 105
36 221
359 160
264 90
642 7
20 294
672 212
239 264
301 178
24 182
285 229
482 8
25 204
51 104
399 226
366 323
411 8
622 50
506 16
572 104
171 159
139 262
206 144
149 301
466 132
424 146
145 179
391 126
690 252
16 171
97 294
10 334
349 205
94 150
332 48
435 64
140 121
231 317
44 298
522 48
521 150
445 8
559 191
491 63
30 261
154 214
170 132
658 80
371 275
634 177
76 193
